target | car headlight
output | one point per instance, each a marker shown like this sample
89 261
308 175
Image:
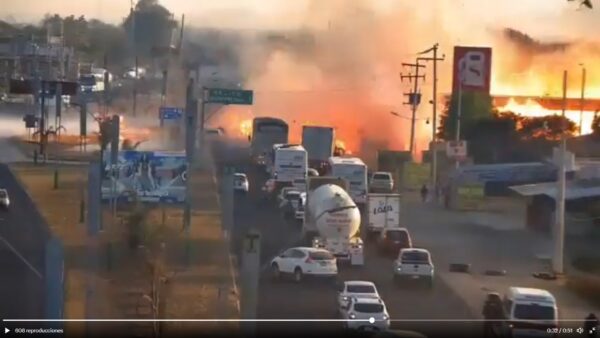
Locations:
352 316
385 317
399 268
344 298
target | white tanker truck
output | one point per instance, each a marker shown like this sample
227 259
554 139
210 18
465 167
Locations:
332 219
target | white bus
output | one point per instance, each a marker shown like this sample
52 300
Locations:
291 163
354 170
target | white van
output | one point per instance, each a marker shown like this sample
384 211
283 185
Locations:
530 312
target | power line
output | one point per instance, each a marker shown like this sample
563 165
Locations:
414 97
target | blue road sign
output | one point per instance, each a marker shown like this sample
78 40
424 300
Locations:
170 113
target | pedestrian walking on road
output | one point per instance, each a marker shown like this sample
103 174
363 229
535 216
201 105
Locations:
424 192
591 325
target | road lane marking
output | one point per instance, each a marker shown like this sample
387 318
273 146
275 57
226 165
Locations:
37 273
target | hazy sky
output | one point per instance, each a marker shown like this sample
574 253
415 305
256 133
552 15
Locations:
536 16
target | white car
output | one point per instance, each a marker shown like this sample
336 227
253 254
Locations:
355 288
240 183
4 199
304 261
414 264
365 314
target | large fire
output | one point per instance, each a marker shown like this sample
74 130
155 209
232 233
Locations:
246 128
534 109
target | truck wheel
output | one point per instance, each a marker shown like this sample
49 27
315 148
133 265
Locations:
275 273
298 275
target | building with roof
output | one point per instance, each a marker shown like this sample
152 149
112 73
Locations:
580 189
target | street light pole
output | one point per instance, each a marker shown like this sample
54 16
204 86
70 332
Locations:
559 228
582 99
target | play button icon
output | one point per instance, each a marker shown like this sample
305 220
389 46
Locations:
6 330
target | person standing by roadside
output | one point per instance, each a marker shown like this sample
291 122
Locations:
424 193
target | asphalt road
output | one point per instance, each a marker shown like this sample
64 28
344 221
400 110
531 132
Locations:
22 227
413 306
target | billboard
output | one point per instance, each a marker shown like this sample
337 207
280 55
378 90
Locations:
154 176
475 66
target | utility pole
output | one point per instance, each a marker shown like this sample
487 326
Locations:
134 45
559 228
582 99
433 148
414 97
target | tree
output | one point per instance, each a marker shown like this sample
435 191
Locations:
474 107
153 27
494 139
549 127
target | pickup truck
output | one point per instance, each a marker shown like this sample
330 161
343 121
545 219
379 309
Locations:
414 264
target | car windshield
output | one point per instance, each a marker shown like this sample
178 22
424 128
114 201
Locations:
415 257
381 177
533 312
397 235
368 308
361 289
321 256
240 179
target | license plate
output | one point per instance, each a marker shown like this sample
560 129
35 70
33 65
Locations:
323 263
415 277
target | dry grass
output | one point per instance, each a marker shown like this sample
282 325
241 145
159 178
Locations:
60 209
202 289
206 289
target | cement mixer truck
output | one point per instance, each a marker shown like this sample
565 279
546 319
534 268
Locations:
332 219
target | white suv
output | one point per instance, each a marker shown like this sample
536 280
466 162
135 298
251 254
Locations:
365 313
304 261
381 181
355 288
414 264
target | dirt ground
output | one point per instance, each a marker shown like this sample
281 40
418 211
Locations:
196 268
61 209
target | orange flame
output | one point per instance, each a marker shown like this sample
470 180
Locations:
246 127
533 109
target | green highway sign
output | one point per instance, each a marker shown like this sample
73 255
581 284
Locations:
229 96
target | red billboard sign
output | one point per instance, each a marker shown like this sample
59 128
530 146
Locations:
474 66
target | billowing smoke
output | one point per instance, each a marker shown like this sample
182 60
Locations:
341 70
524 65
340 66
